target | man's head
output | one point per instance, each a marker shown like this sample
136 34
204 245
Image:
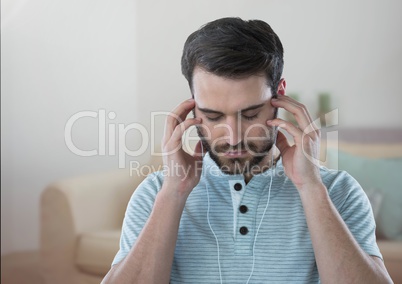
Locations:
233 48
234 68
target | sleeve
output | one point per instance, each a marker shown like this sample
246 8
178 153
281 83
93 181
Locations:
354 207
138 210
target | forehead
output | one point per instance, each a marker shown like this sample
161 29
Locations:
228 95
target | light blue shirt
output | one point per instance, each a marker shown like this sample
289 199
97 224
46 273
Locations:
283 251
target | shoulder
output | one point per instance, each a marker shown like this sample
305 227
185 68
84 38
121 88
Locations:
144 195
344 190
335 179
152 183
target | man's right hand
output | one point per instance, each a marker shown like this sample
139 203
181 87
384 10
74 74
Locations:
154 247
183 170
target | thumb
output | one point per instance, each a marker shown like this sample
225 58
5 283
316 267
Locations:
198 151
282 143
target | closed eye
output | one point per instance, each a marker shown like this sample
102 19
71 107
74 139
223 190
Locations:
250 114
250 117
216 118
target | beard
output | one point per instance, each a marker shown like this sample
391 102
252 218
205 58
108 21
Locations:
251 163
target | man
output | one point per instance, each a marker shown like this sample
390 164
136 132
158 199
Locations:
251 215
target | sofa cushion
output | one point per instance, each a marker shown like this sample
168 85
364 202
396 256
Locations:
96 250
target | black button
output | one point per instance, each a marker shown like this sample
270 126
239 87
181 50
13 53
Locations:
237 186
243 230
243 209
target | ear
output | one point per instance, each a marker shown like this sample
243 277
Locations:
282 87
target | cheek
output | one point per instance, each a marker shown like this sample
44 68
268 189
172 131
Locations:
256 130
207 130
214 132
217 131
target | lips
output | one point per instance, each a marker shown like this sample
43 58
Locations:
235 153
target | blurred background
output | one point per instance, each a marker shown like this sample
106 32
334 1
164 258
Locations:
120 60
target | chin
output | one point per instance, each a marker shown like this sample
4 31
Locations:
234 166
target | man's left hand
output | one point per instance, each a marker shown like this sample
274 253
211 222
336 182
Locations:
301 160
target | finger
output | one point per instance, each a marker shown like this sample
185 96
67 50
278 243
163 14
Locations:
182 127
177 116
294 105
282 143
289 127
174 142
299 111
198 151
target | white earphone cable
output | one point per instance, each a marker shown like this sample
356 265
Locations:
263 215
259 225
266 207
210 226
216 238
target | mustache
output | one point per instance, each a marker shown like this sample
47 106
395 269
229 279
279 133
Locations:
244 145
239 147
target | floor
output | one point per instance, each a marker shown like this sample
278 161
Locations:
21 268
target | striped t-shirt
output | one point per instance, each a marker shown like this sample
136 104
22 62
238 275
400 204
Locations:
216 237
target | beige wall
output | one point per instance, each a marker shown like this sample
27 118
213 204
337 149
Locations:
62 57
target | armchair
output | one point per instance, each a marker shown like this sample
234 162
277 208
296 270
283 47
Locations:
81 222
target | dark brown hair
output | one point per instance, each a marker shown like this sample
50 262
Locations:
234 48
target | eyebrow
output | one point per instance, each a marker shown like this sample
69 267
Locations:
208 110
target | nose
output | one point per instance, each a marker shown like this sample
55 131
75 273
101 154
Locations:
234 133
